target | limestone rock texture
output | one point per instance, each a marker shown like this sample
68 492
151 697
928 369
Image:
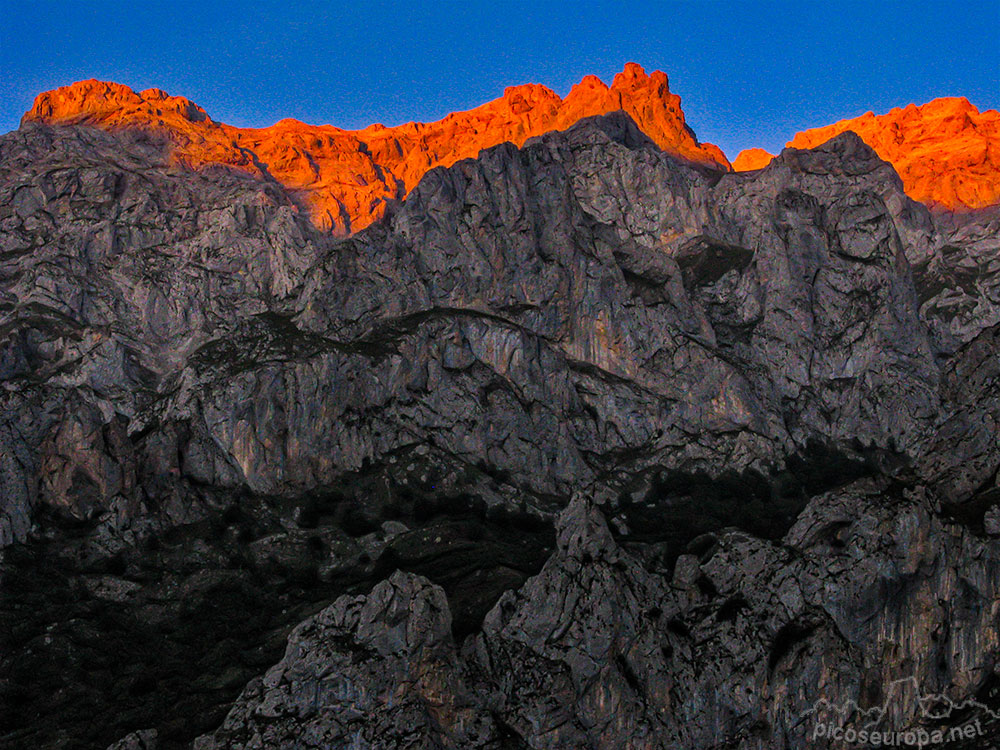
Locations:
585 443
345 178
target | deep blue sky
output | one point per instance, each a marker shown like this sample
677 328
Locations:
749 73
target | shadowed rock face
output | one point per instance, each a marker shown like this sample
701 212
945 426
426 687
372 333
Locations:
759 407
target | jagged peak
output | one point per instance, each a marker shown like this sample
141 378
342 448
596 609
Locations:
941 105
590 83
528 91
909 115
634 75
843 145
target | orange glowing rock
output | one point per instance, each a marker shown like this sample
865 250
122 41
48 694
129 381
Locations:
947 152
344 177
751 158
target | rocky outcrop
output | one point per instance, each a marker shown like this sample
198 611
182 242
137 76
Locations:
947 152
761 405
663 307
374 670
345 178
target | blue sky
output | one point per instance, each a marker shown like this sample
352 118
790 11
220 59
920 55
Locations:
749 73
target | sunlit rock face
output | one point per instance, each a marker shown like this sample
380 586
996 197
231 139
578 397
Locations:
665 453
344 178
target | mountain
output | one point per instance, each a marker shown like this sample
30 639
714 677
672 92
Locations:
344 178
947 152
582 444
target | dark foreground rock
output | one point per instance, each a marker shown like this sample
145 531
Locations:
735 650
665 455
368 670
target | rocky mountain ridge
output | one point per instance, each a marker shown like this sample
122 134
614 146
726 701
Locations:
344 178
946 151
